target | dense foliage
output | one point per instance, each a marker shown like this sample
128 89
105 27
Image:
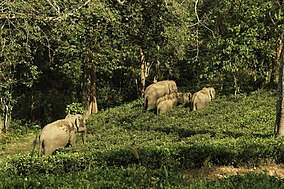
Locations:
45 46
128 147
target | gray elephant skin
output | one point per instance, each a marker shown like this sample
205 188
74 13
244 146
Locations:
202 97
61 133
169 101
156 90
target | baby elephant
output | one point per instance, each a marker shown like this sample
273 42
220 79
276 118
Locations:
61 133
170 101
202 97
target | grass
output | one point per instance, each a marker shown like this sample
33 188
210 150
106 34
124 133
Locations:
130 148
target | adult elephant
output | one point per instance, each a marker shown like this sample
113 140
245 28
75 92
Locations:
61 133
169 101
156 90
202 97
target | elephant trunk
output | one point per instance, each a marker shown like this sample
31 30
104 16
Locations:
84 136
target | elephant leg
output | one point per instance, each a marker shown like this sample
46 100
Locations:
193 106
72 139
164 109
200 106
48 147
48 150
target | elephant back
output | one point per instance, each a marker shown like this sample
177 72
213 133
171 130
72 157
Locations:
56 128
171 96
161 88
171 84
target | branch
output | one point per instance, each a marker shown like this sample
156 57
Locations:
121 2
13 16
199 21
57 9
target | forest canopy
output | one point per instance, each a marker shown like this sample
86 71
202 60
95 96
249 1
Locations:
55 54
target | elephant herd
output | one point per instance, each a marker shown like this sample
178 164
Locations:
163 96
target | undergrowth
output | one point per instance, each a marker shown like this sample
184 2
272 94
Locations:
128 146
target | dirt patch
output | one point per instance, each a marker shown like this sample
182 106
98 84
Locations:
210 173
14 146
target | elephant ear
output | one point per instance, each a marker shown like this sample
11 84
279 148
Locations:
212 93
189 95
77 123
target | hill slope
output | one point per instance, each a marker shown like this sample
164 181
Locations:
130 147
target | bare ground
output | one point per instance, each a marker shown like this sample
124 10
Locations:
11 146
210 173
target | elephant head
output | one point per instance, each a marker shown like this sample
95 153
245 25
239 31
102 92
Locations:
157 90
184 98
209 90
79 122
169 101
61 133
202 97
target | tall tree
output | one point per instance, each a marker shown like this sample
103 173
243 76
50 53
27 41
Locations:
279 128
89 92
89 88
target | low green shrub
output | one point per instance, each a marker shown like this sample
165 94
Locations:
234 130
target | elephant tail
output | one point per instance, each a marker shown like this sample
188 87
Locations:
146 103
41 146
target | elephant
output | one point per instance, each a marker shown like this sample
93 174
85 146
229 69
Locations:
156 90
202 97
61 133
172 100
184 98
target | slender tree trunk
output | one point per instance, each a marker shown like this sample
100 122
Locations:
157 69
279 128
1 125
7 119
89 89
143 72
236 86
5 122
275 63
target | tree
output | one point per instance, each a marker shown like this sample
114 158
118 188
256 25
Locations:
279 128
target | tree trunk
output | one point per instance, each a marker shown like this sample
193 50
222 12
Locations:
157 69
89 89
7 119
1 126
275 63
5 122
143 72
279 128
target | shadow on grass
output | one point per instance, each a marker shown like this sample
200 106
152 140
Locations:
184 132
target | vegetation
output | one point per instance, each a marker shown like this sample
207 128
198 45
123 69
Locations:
59 57
130 148
50 50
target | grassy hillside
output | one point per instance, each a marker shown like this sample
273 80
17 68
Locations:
130 148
